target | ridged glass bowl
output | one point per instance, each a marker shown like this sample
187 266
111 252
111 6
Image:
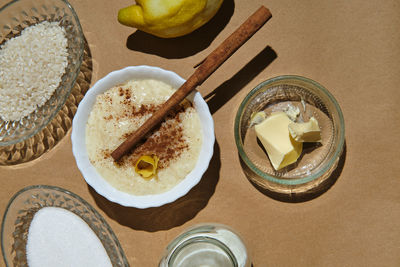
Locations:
18 15
22 208
317 161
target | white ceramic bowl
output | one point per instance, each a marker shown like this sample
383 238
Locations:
88 170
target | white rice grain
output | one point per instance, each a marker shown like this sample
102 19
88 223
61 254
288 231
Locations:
31 67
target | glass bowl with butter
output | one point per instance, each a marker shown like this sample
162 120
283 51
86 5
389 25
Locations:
289 131
167 163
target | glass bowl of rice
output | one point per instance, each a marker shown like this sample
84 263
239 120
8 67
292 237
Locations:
41 51
63 228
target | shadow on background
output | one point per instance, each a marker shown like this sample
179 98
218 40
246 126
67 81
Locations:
186 45
217 98
172 214
309 195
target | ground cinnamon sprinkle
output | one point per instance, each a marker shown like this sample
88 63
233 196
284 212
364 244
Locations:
121 91
167 141
108 118
106 153
143 110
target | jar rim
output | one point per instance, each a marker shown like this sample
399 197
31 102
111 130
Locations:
201 239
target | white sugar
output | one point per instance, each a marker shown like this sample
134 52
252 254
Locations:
58 237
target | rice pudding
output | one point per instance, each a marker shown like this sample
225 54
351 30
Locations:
120 111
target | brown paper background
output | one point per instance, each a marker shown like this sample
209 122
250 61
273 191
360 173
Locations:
350 47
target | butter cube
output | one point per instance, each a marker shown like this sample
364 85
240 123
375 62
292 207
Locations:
305 131
274 135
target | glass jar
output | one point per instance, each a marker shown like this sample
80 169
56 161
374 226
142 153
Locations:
206 245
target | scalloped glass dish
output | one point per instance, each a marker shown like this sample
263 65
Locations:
18 15
89 172
317 161
22 208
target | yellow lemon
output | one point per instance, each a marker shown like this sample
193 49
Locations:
168 18
146 166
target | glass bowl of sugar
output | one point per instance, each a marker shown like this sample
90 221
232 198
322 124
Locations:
41 51
50 226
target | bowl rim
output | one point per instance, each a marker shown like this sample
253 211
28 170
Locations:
209 232
65 191
292 181
98 183
74 76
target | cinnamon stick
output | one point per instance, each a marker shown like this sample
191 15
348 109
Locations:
207 67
